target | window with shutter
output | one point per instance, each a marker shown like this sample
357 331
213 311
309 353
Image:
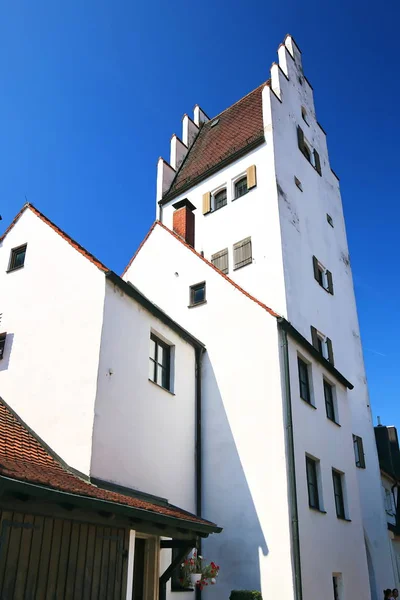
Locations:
220 199
317 162
220 260
206 203
323 276
242 254
241 187
2 344
251 177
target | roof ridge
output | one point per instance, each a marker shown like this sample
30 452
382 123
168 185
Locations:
70 240
233 283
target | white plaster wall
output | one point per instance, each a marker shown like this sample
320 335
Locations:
144 436
52 310
306 232
255 214
328 545
244 469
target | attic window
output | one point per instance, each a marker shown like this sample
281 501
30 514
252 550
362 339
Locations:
17 258
214 123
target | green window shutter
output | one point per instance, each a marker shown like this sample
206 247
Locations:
330 282
330 351
317 162
314 337
316 270
300 138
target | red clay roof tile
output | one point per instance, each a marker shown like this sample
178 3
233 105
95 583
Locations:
24 457
238 126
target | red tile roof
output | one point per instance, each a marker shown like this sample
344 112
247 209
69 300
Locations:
24 457
238 126
60 232
177 237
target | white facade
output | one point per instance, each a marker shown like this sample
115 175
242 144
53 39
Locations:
289 223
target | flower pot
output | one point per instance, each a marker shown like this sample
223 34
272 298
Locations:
195 578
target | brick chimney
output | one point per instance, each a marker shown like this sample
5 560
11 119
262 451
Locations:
183 220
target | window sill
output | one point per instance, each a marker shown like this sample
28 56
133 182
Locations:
213 211
360 467
197 304
308 403
317 510
161 387
241 266
248 191
310 163
333 422
173 590
344 519
15 269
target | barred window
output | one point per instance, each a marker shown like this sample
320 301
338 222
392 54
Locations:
242 253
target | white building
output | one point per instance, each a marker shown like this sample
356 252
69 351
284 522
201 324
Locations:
253 192
387 443
79 365
265 425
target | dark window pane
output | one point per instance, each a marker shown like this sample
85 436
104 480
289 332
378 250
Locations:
330 407
307 152
197 293
338 491
312 483
241 187
2 344
304 381
17 258
220 199
321 277
320 346
159 362
359 452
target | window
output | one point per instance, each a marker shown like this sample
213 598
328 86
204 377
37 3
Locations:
198 294
338 492
241 187
242 255
304 115
329 219
159 362
220 199
312 483
389 504
329 401
298 183
323 344
2 344
308 151
304 382
337 586
359 452
17 258
221 260
323 276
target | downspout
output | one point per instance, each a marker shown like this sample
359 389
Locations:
294 514
198 451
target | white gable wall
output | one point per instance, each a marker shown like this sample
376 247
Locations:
244 458
144 436
52 310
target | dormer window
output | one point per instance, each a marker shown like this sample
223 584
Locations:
220 199
241 187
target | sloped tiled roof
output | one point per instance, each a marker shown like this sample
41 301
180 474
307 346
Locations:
24 457
238 126
65 236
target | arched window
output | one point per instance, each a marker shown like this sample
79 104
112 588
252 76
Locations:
241 187
220 199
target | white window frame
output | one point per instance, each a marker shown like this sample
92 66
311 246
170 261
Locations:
323 270
223 186
234 182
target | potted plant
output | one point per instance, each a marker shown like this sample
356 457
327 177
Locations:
196 572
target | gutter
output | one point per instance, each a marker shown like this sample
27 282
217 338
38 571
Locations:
294 514
198 452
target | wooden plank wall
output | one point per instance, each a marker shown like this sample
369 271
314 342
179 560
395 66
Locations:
46 558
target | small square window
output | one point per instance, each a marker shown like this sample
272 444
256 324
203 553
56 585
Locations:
329 219
17 258
198 294
2 344
159 362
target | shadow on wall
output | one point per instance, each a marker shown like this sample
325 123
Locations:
7 352
227 500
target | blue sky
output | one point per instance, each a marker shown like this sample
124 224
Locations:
91 92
